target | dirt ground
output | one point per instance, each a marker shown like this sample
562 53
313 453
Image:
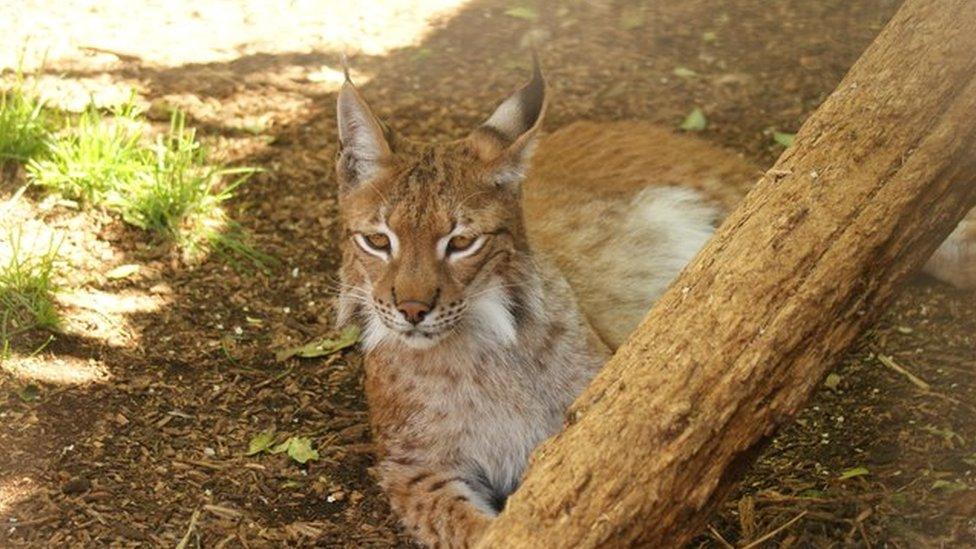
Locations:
148 398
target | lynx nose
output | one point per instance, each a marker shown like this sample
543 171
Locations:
414 311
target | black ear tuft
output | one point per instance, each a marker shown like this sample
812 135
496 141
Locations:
507 138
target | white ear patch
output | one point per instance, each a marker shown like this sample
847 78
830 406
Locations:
508 117
491 317
364 146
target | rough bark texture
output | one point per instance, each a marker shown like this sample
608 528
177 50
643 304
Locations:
877 177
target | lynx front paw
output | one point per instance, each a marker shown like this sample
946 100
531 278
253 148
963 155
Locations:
437 507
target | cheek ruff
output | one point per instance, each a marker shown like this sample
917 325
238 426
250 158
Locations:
491 319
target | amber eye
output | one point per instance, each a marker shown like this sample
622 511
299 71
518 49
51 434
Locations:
460 243
378 241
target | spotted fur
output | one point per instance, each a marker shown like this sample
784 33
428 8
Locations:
490 294
472 355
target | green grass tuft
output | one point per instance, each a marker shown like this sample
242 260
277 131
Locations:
182 196
24 125
93 156
166 187
27 289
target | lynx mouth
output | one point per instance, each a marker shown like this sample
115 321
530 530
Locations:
415 336
420 339
383 326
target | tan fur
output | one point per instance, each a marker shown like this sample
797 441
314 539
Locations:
597 169
588 160
463 391
579 194
473 352
429 406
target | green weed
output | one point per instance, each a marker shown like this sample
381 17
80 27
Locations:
24 125
27 289
166 186
93 156
182 196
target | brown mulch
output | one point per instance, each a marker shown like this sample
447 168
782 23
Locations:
152 451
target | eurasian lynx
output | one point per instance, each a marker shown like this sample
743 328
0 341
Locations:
486 307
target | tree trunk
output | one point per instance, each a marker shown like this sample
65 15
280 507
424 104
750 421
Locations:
878 176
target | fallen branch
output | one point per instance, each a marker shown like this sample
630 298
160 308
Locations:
875 180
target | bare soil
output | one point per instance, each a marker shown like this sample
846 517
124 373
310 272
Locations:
149 396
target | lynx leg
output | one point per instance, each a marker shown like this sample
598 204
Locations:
437 507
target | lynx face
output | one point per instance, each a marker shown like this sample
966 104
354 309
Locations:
433 241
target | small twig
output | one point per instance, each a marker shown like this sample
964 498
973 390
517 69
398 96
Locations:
718 537
774 532
189 530
120 55
95 514
273 379
768 498
354 448
43 346
38 521
223 512
948 398
201 463
8 204
917 381
864 535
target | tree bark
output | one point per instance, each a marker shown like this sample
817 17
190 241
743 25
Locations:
877 177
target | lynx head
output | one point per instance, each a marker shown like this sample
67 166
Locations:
434 245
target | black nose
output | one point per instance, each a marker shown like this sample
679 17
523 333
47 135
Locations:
414 311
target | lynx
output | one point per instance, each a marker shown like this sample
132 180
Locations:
489 294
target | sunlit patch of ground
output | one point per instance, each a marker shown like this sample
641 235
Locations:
29 239
60 370
176 32
39 225
13 490
82 259
104 316
76 94
242 111
74 41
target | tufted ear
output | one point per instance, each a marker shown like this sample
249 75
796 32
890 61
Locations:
364 146
505 141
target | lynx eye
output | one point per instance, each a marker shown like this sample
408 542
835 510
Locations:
460 243
378 241
376 244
